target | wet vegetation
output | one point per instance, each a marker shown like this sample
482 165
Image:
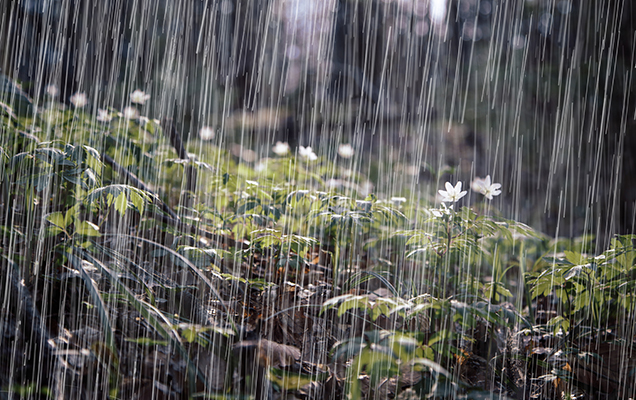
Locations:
267 281
413 215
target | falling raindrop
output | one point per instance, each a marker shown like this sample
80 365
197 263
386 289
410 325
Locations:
319 198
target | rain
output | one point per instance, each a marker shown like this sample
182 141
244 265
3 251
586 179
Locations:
317 199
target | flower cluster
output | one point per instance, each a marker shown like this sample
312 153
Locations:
281 148
452 194
307 153
80 100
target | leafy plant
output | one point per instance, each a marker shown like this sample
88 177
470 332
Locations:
410 294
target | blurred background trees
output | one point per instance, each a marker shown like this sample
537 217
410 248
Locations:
538 94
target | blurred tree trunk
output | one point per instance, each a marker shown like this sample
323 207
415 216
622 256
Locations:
242 26
623 118
358 52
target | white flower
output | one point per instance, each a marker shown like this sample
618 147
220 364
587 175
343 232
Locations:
206 133
307 153
130 113
139 97
452 193
486 187
397 201
79 99
281 148
51 90
260 167
103 115
143 121
345 151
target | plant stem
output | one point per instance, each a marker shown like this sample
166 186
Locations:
336 262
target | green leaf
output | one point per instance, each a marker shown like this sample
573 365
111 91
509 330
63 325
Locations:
69 216
189 332
379 308
266 241
121 202
57 219
371 198
137 201
113 193
249 205
87 228
145 341
575 258
558 323
503 290
581 300
556 260
54 230
498 288
353 302
288 380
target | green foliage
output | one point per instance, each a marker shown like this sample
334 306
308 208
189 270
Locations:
436 274
380 353
591 289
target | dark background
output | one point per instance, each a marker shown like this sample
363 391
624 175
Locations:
538 94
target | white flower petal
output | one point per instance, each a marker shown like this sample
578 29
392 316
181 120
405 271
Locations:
103 115
51 90
281 148
345 151
130 113
206 133
486 187
444 195
452 193
307 153
79 99
139 97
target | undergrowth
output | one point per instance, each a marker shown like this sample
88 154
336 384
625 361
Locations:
136 266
